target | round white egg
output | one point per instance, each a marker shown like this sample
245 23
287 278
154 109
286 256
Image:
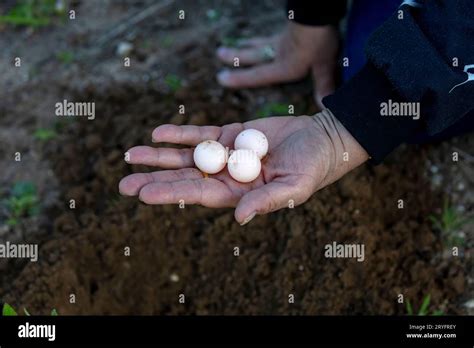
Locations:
252 139
210 156
244 165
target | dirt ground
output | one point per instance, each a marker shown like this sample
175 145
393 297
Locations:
190 251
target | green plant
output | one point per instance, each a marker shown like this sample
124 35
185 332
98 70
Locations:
167 42
8 311
33 13
65 57
449 222
23 201
230 41
173 82
212 14
273 109
424 308
45 134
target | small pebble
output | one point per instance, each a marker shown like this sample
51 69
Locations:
174 278
212 14
434 169
124 48
469 304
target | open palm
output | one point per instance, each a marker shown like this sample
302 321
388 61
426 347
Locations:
297 164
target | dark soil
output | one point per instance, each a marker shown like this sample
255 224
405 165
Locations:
191 251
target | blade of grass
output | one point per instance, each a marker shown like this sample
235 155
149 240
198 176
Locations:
8 311
424 306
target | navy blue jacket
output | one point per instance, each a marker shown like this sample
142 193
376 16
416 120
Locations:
424 53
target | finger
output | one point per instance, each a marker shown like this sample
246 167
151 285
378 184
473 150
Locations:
324 83
229 133
247 56
167 158
186 135
255 77
267 198
256 41
208 192
131 184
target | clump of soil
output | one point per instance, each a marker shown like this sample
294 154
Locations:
191 251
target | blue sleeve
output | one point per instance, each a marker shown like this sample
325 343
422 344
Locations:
423 54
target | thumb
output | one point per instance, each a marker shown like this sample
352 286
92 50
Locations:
268 198
324 82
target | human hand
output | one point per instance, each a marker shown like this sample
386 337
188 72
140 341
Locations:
305 154
297 50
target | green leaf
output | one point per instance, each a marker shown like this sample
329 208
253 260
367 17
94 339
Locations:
8 311
26 312
424 306
15 20
438 312
54 312
45 134
173 82
65 57
212 14
167 42
231 42
23 188
23 201
12 222
273 109
32 13
435 222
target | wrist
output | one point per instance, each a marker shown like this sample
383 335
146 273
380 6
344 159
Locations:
345 152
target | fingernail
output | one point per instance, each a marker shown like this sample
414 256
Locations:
248 218
223 77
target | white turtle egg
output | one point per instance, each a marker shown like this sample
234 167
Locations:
244 165
252 139
210 156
